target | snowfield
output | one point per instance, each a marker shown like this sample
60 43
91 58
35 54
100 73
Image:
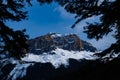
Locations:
61 57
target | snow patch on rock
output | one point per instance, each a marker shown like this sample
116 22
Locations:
61 57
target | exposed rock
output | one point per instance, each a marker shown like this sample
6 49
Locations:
51 41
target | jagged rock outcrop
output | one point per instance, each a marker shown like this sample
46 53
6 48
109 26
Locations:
51 41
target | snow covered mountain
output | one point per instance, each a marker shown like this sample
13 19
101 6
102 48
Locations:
52 41
50 55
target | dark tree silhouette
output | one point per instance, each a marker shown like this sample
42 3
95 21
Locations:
13 42
109 12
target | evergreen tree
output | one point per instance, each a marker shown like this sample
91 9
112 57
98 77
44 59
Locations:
13 42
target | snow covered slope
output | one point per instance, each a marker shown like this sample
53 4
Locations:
42 62
60 57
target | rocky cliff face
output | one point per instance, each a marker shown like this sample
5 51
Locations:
52 41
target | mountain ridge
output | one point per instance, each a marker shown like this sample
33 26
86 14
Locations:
51 41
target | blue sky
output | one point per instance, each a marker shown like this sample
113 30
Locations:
53 18
44 19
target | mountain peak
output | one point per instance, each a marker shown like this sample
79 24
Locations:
51 41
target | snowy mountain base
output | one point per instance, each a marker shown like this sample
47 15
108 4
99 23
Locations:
61 57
